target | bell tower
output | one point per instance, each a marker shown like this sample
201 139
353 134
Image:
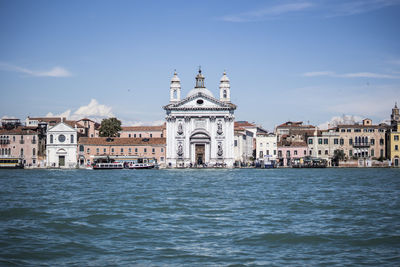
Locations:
395 117
225 89
175 88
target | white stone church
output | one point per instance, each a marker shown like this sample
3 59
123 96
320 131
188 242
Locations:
200 126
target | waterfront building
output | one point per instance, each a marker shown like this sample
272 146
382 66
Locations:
20 142
266 146
394 148
393 135
255 129
157 131
294 130
323 144
200 127
364 140
290 153
61 146
243 146
120 149
87 128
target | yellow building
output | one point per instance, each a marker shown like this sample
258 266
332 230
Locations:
394 136
394 148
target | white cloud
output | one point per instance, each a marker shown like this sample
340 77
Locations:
93 110
337 120
350 75
8 117
319 73
54 72
269 12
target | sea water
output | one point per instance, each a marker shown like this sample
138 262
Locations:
219 217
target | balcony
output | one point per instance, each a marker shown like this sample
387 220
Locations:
362 144
4 142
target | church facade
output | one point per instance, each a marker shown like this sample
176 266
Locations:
200 127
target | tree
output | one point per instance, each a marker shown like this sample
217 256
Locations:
110 127
338 155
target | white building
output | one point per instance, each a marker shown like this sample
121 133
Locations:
323 144
243 146
200 126
61 146
266 147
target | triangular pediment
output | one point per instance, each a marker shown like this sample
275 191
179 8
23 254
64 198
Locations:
200 101
61 127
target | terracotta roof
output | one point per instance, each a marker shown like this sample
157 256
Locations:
116 141
244 124
295 124
21 130
143 128
47 119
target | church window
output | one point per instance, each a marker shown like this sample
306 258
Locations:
225 94
235 142
200 101
72 138
51 139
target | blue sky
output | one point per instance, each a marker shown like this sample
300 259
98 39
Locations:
287 60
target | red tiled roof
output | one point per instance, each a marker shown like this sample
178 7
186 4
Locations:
295 124
21 130
143 128
244 124
118 141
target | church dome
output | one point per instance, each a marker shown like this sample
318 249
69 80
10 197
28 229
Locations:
195 91
200 87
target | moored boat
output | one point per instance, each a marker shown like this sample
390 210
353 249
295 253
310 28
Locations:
108 166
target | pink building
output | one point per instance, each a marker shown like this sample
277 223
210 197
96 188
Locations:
91 149
143 131
20 142
290 153
88 128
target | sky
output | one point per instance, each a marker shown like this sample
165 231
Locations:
312 61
